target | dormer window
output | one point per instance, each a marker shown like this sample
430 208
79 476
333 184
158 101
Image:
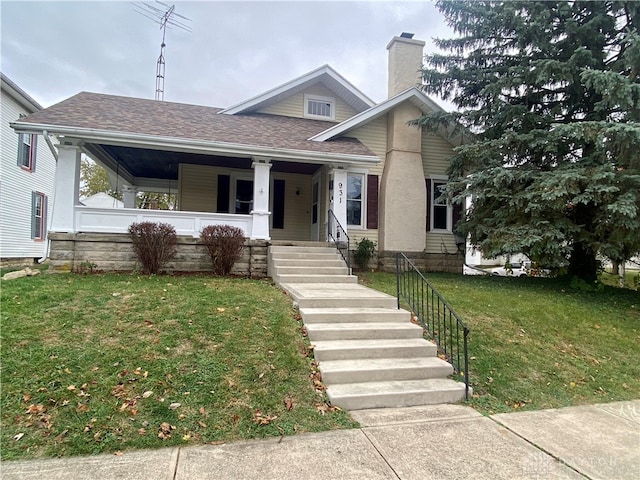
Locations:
321 108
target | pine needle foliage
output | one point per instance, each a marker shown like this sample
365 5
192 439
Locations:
548 98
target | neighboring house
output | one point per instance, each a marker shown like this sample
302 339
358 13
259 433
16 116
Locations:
273 165
101 200
26 182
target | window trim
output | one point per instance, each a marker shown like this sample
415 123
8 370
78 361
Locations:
233 191
319 98
30 166
439 179
362 173
40 220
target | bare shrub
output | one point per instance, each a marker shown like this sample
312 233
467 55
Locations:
224 244
154 244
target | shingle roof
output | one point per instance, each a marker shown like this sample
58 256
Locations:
176 120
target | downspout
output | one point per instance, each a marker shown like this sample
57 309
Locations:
47 249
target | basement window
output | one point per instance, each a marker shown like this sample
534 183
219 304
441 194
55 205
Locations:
322 108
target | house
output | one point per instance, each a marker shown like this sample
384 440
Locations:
284 166
101 200
27 183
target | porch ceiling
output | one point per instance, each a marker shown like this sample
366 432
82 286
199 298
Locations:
163 165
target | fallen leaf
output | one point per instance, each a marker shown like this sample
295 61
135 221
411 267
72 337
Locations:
34 409
174 405
288 402
186 437
71 388
118 453
142 431
202 424
26 397
61 435
261 419
147 394
18 436
203 411
220 309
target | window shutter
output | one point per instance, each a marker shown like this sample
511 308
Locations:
372 201
45 202
33 214
34 146
224 182
428 181
278 204
457 216
20 148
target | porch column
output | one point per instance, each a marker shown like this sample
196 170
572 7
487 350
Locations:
129 196
66 189
260 212
338 200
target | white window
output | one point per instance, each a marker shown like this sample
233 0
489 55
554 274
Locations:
243 196
441 212
317 107
27 151
38 215
355 199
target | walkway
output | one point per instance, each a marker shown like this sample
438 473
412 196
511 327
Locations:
436 442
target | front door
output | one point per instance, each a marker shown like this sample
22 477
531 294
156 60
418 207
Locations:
315 208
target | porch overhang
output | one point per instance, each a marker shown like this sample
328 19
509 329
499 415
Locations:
187 145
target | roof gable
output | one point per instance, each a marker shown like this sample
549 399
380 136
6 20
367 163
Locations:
324 75
413 95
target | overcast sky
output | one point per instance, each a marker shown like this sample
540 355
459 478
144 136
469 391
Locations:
235 50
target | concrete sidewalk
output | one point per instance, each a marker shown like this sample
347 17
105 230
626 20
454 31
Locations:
430 442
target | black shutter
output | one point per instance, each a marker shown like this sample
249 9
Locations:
456 216
428 181
34 146
372 201
278 204
20 148
224 182
34 195
45 201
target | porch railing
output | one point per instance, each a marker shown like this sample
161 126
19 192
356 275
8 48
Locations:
117 220
435 315
338 235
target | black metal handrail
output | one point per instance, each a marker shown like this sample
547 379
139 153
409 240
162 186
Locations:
338 235
440 321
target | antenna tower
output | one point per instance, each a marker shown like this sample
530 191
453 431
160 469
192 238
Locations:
166 16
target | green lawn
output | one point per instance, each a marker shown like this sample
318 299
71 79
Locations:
99 363
536 343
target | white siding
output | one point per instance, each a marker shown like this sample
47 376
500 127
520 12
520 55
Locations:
293 106
16 186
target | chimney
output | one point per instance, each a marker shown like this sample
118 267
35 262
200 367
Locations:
405 63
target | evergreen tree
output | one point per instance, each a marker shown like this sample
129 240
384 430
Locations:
548 94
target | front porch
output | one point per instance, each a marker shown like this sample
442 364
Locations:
267 199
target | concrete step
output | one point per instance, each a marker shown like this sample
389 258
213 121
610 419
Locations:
303 270
401 393
334 255
354 315
363 331
291 278
345 295
383 369
304 262
281 249
361 349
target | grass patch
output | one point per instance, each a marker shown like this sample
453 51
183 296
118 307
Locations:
98 363
536 343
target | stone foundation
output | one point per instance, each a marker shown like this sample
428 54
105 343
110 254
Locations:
78 252
425 262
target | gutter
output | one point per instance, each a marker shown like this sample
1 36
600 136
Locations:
192 145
